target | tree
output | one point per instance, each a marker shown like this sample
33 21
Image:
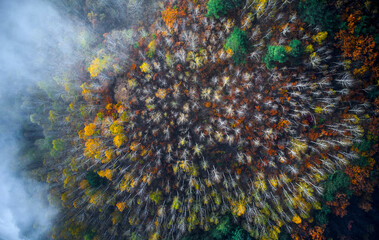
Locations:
156 196
340 204
220 8
337 182
98 64
238 43
94 180
296 48
359 48
170 15
315 12
145 68
321 216
275 54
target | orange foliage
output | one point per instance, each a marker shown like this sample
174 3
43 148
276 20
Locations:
316 233
358 48
296 219
89 129
359 179
83 184
170 15
365 205
121 206
207 104
283 123
106 173
339 205
93 147
304 232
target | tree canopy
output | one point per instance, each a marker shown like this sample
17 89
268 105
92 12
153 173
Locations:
238 43
220 8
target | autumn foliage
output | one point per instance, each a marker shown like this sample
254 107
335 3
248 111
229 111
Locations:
171 15
359 48
253 117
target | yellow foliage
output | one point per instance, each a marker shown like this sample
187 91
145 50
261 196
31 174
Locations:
274 182
261 185
66 87
184 165
132 83
169 59
347 64
309 48
147 179
229 52
134 146
86 93
50 178
108 154
64 197
133 183
133 220
119 140
317 205
81 134
116 68
83 184
73 165
109 106
318 177
116 128
175 203
90 129
98 64
356 119
319 37
121 206
93 147
318 110
52 116
296 219
123 185
145 68
92 16
106 173
175 168
259 7
273 233
116 217
238 208
75 203
154 236
69 180
96 198
298 146
152 46
161 93
148 77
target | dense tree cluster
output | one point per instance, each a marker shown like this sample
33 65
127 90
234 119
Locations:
224 125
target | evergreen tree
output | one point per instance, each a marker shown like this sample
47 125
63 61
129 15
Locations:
238 43
220 8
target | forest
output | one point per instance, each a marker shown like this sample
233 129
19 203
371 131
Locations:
218 119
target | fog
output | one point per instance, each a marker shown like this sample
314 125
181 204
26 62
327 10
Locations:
35 44
24 211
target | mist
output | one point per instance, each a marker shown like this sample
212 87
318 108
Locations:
36 43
